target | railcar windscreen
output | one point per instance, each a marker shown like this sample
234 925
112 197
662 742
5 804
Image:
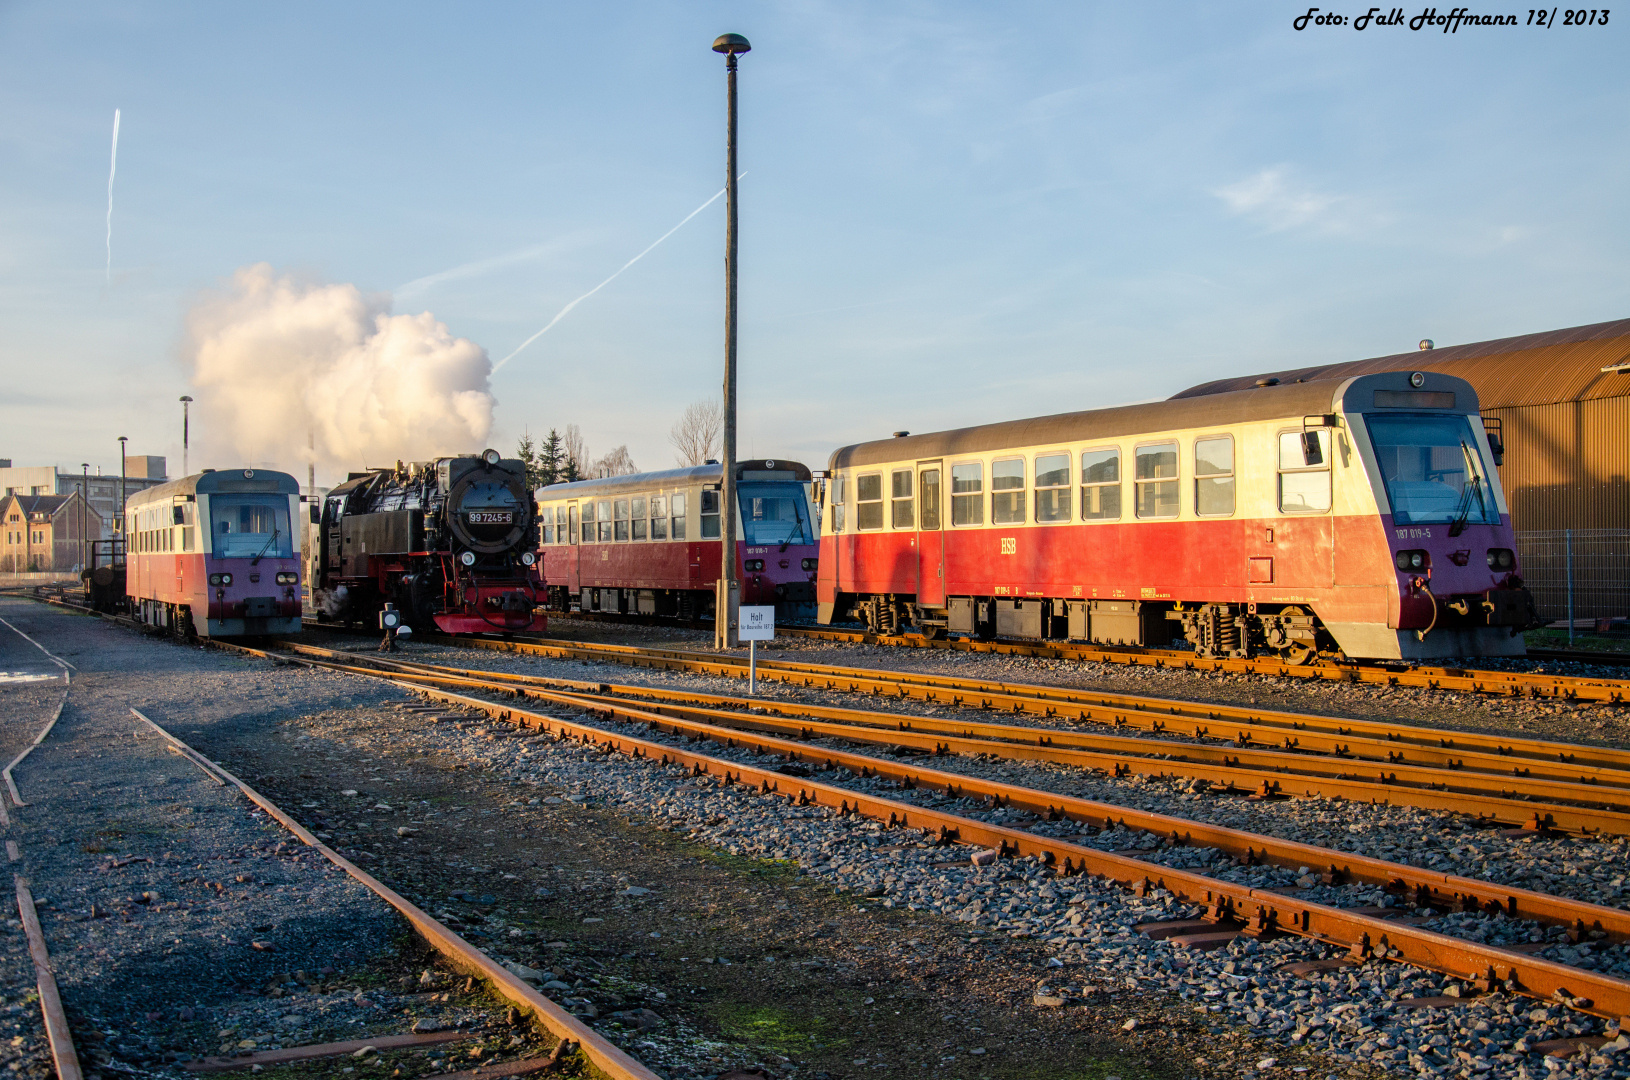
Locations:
775 514
245 526
1433 468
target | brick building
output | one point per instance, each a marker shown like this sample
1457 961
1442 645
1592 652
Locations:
141 471
45 532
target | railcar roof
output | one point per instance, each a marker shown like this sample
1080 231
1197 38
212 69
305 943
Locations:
1242 406
219 480
1532 369
691 474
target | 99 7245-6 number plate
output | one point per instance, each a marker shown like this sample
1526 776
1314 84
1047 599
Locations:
489 517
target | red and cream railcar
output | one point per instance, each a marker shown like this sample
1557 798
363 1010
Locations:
649 543
1362 515
214 554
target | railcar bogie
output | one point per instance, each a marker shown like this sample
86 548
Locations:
1357 517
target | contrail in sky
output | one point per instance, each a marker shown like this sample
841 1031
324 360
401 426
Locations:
113 167
607 281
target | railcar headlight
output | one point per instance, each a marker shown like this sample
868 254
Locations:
490 456
1501 558
1412 560
220 579
527 558
754 564
810 564
468 558
287 577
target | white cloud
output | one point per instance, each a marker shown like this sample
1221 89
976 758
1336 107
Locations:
1274 201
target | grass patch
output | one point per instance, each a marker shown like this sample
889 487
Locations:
773 1028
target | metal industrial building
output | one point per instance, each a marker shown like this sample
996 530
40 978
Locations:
1563 402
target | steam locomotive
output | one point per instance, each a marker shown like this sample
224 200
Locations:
451 542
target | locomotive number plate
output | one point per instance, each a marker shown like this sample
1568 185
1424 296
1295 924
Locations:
489 517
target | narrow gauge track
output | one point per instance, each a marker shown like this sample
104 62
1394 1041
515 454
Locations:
1536 783
1369 933
1535 684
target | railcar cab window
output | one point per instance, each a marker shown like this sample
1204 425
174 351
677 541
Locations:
773 513
1433 468
620 510
840 503
636 520
1007 491
546 518
1155 474
1304 488
1101 485
900 501
710 514
676 504
968 493
1053 487
869 501
571 513
602 520
1214 476
245 526
659 518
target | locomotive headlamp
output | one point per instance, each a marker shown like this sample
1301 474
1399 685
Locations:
810 564
220 579
527 558
468 558
287 577
754 565
1501 558
1411 560
1417 378
490 456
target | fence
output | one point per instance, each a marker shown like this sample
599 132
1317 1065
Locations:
1577 573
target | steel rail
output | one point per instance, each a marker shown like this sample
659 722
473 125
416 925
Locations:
604 1054
1267 773
1427 887
1257 911
1145 713
63 1055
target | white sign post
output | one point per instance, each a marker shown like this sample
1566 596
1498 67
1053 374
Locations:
757 624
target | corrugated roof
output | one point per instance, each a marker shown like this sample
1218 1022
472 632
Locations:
1533 369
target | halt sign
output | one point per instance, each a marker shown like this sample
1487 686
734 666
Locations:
757 622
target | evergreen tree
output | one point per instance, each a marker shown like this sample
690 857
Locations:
550 455
527 451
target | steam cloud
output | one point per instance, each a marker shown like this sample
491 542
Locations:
277 362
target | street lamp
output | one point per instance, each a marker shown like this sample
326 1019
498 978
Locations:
119 528
84 508
726 606
185 401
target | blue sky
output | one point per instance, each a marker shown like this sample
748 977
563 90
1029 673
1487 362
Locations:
951 213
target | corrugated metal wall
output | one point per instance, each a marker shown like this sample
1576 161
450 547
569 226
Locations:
1567 466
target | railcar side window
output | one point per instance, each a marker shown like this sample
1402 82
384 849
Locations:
1101 485
636 524
659 518
968 494
1156 478
1214 476
840 503
677 506
1303 488
1053 487
710 514
546 518
869 501
602 519
900 499
588 522
620 521
1007 491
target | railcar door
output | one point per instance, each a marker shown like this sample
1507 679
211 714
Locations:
930 535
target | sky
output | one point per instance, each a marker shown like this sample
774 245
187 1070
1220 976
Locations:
951 213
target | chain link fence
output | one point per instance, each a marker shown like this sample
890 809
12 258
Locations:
1577 573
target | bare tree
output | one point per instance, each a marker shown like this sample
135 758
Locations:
696 434
618 462
576 454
